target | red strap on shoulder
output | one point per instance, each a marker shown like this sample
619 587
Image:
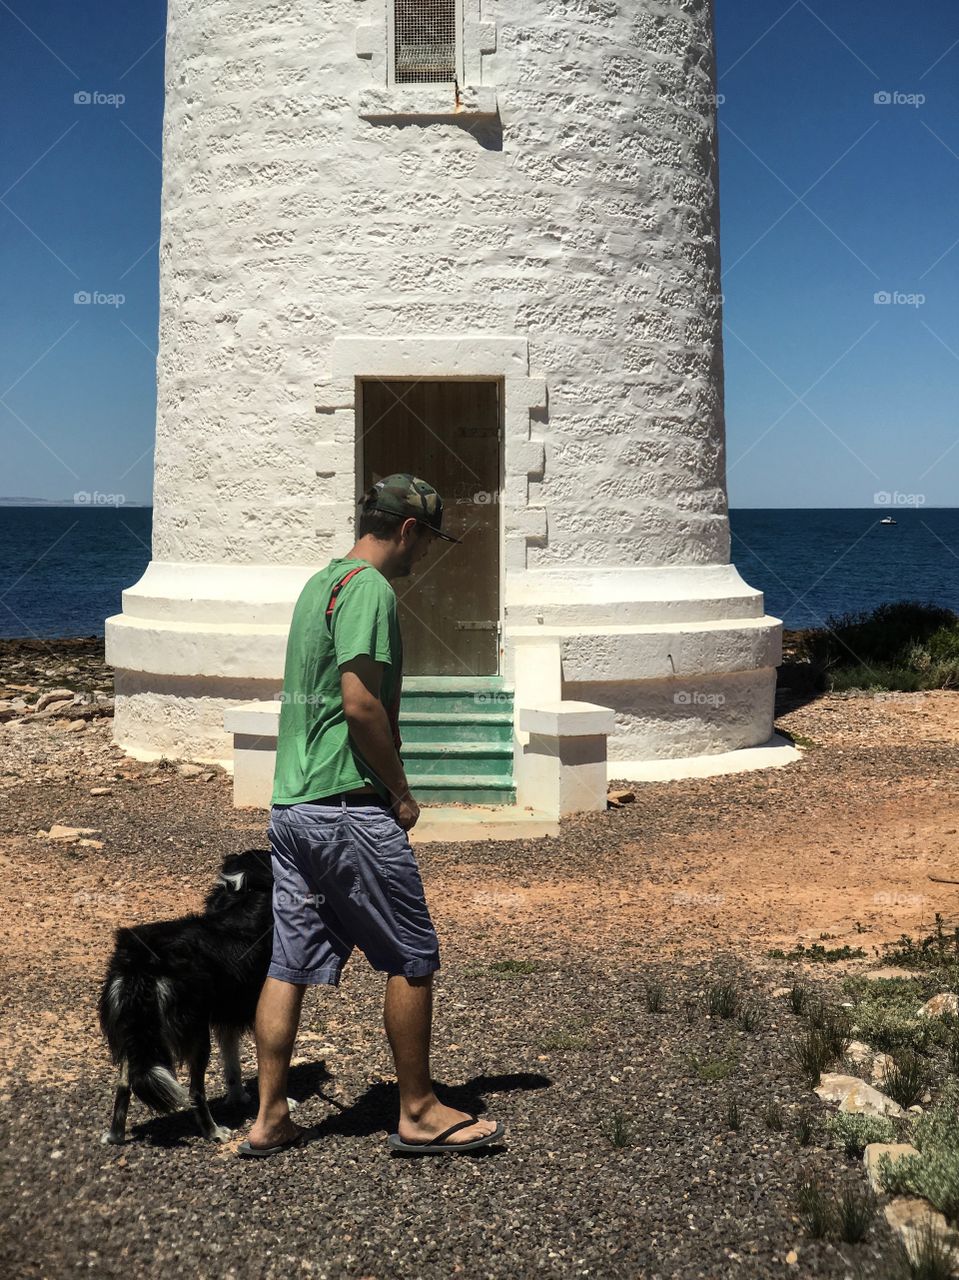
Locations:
336 591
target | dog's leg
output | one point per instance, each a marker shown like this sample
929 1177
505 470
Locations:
199 1061
236 1094
229 1041
121 1102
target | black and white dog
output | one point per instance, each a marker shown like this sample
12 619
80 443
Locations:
170 982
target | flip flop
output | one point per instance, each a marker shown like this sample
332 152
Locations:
438 1144
244 1149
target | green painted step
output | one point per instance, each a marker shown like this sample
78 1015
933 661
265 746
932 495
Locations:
458 726
459 789
457 736
476 695
480 760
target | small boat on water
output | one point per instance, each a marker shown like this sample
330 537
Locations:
887 520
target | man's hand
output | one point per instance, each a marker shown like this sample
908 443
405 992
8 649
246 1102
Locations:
406 811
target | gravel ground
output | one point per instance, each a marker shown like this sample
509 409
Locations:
692 883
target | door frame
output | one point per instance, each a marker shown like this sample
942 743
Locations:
467 356
360 468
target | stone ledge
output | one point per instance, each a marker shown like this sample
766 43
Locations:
417 102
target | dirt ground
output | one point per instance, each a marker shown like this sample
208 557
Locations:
692 878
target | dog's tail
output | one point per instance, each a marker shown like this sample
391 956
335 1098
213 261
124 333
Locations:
133 1008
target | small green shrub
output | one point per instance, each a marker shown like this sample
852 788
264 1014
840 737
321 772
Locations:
890 1024
654 997
811 1054
773 1117
804 1128
798 998
711 1069
722 999
854 1214
618 1129
832 1025
854 1132
934 1172
907 1079
813 1204
907 645
749 1017
733 1118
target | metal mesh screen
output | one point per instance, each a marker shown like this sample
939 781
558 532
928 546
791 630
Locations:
425 41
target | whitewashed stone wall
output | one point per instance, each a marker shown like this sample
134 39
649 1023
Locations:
288 219
560 223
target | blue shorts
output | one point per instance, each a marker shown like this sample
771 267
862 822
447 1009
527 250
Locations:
344 876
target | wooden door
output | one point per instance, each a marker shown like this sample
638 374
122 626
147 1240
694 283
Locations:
446 433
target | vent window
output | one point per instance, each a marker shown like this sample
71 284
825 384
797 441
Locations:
424 41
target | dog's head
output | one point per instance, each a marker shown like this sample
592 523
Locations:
240 875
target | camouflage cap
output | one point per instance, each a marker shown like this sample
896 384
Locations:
402 494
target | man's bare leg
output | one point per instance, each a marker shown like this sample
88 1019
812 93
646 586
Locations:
408 1014
277 1022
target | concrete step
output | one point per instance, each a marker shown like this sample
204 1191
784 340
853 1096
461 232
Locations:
459 823
481 760
461 726
477 695
466 789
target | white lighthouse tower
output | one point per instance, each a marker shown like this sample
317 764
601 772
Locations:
476 241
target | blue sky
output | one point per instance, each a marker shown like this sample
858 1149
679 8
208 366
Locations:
828 199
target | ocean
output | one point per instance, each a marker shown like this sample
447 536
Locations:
62 569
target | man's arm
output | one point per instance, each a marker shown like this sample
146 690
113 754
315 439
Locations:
369 723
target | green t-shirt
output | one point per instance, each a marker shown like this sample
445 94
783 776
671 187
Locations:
315 755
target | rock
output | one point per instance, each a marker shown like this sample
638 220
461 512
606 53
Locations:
881 1065
157 782
866 1100
911 1217
891 972
860 1053
833 1087
894 1150
76 726
190 770
101 791
58 832
53 695
207 777
91 844
945 1002
618 798
792 1257
53 709
781 991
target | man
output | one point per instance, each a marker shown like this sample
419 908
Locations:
344 870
